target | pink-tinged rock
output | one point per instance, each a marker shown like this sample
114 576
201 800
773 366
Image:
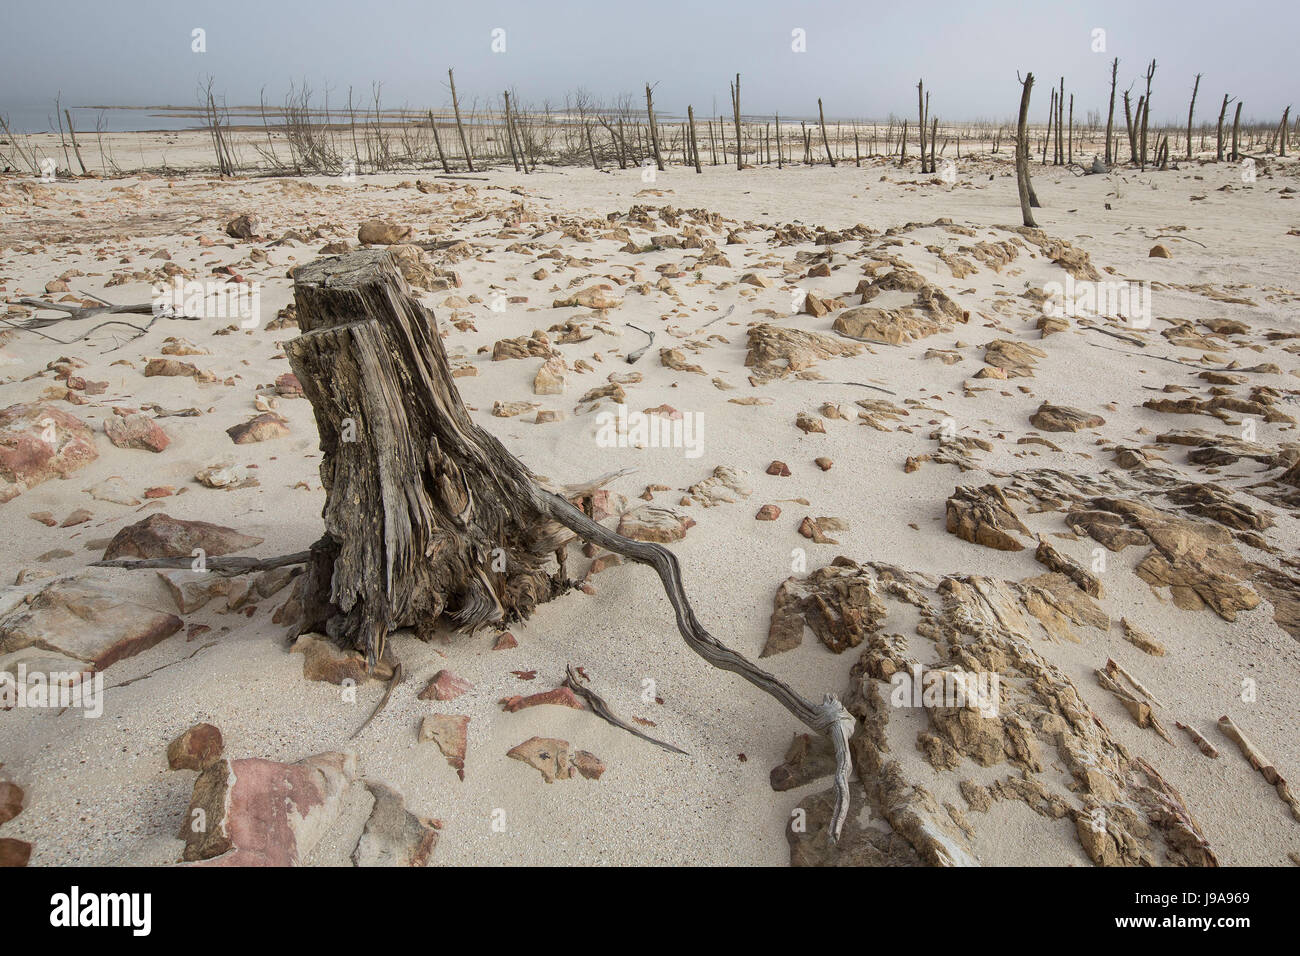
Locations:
667 411
394 836
562 696
257 812
264 427
196 749
162 536
505 642
451 733
779 468
14 852
445 686
39 442
136 431
588 764
288 386
11 801
92 617
768 513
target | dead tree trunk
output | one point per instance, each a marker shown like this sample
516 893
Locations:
735 112
1218 148
460 127
821 117
1128 124
920 113
1236 128
442 158
1060 115
1281 142
695 146
1191 109
510 136
1022 152
77 149
1110 115
654 130
427 514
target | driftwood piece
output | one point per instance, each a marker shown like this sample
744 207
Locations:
601 709
426 513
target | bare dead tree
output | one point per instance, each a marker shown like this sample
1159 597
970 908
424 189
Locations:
460 127
1022 152
735 111
80 162
654 130
821 117
921 120
1223 111
1060 115
1110 114
1146 115
695 146
1236 127
1128 124
1191 109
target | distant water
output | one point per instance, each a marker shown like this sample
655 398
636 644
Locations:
117 119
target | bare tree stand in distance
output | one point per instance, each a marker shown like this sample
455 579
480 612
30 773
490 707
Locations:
1027 199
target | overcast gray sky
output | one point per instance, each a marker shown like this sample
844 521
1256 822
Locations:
863 58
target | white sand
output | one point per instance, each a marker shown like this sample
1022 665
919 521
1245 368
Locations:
99 792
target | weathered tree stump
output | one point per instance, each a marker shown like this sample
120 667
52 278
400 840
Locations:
426 514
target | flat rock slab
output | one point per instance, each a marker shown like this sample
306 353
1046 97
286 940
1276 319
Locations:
256 812
394 836
92 617
162 536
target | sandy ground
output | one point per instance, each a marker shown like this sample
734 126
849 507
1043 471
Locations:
99 791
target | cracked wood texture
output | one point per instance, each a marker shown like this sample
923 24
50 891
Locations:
426 513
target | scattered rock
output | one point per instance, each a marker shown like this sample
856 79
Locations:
162 536
984 516
257 812
136 431
39 442
445 686
1063 418
197 749
394 836
381 232
451 733
93 617
263 427
649 523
